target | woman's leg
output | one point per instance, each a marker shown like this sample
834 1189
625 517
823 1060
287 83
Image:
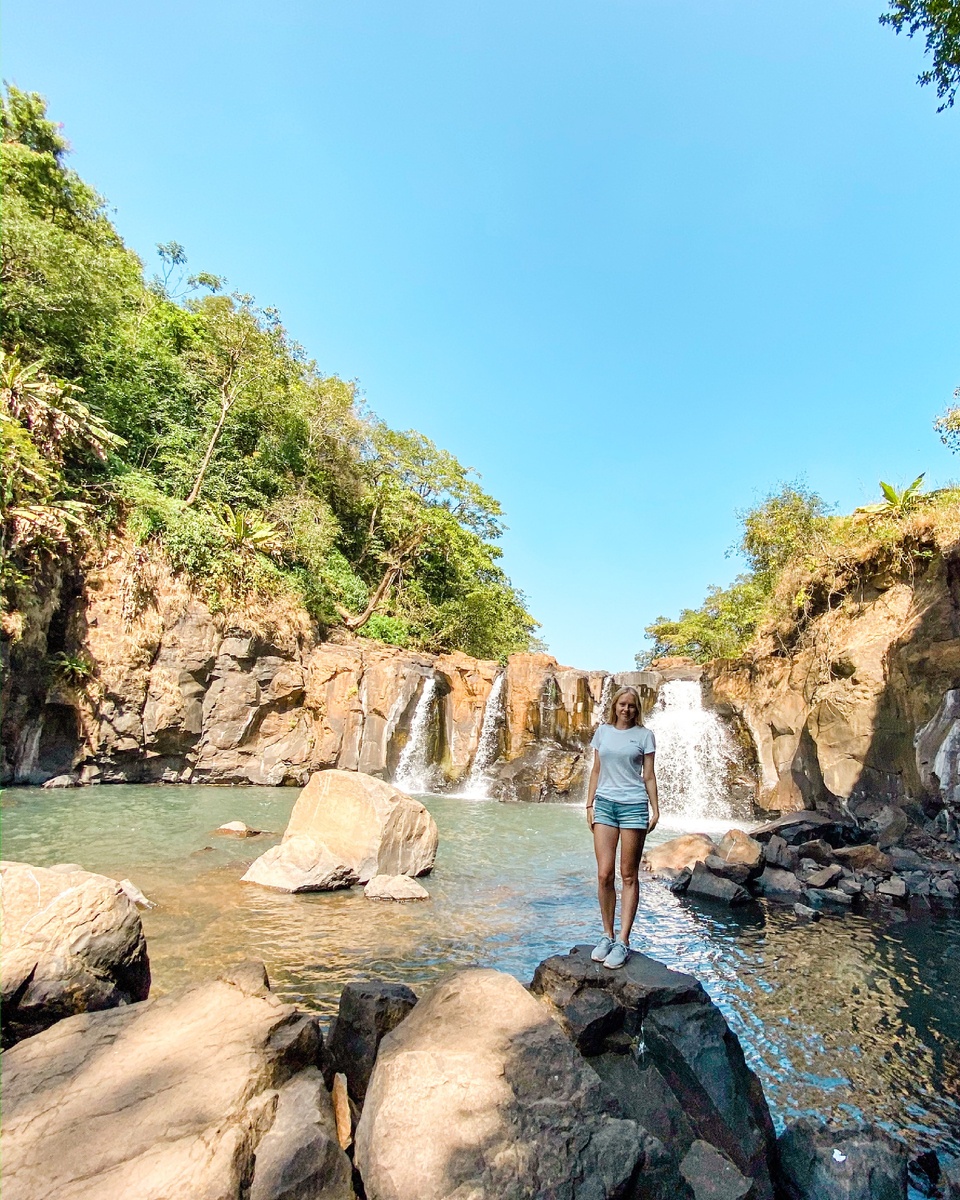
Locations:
605 845
631 848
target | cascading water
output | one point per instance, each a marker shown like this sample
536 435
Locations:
695 754
413 769
606 694
478 780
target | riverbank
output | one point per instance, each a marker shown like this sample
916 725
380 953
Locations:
858 1014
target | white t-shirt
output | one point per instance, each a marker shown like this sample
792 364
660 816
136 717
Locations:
621 761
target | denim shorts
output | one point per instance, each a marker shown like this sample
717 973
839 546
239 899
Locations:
620 814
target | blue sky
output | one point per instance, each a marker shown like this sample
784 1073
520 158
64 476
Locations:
637 264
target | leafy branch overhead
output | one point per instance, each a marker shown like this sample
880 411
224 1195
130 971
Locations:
938 23
184 416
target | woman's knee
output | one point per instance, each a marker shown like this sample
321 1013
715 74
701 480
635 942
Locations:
630 878
606 877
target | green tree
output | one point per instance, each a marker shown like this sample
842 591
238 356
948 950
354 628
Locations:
938 22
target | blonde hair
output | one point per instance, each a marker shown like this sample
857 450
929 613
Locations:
610 716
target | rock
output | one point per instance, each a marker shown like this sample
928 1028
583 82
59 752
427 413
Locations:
703 882
835 896
853 1163
61 781
341 1110
367 1013
712 1176
72 942
478 1093
357 823
824 877
805 912
237 829
820 851
680 852
691 1082
737 871
300 1156
777 883
798 827
865 857
676 881
738 847
132 892
950 1179
779 854
300 864
894 887
395 887
850 886
211 1093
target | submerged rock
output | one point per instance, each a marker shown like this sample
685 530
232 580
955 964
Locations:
346 828
72 942
238 829
478 1093
858 1162
395 887
209 1093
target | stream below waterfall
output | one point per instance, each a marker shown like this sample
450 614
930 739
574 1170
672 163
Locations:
851 1017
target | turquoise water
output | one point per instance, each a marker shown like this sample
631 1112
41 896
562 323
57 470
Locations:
849 1017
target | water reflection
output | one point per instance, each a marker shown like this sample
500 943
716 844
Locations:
847 1017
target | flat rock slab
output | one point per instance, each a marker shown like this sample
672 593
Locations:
173 1098
797 827
395 887
72 942
479 1094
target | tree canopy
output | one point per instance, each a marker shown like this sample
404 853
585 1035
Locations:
938 22
200 427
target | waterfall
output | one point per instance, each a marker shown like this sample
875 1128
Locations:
413 769
695 754
606 694
489 743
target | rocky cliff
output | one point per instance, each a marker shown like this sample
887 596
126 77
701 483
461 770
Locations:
861 713
163 689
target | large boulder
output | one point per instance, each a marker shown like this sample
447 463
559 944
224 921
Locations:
367 1013
479 1093
857 1162
72 942
347 827
212 1094
680 852
665 1050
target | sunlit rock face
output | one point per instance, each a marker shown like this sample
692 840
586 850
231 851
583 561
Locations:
863 713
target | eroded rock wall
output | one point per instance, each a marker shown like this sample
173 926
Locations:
863 715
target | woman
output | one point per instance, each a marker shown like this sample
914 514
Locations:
621 806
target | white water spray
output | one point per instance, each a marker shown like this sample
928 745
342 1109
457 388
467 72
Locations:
695 753
606 694
478 780
413 769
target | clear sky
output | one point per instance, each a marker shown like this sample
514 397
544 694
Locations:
638 264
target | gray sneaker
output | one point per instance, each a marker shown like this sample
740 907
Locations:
617 956
602 949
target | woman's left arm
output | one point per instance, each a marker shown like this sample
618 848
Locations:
650 783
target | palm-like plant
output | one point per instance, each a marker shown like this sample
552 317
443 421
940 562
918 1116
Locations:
896 503
246 532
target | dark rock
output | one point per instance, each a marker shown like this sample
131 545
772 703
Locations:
864 857
669 1057
712 1176
834 896
798 827
824 877
950 1179
676 881
779 854
854 1163
736 871
367 1013
817 849
779 884
703 882
903 858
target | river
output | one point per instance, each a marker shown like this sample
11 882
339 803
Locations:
852 1017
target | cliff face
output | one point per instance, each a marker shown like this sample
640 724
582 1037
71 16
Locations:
863 714
178 693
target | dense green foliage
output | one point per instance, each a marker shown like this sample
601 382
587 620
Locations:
939 23
202 429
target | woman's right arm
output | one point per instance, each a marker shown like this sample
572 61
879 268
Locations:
592 786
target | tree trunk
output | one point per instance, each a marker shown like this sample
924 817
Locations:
356 621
